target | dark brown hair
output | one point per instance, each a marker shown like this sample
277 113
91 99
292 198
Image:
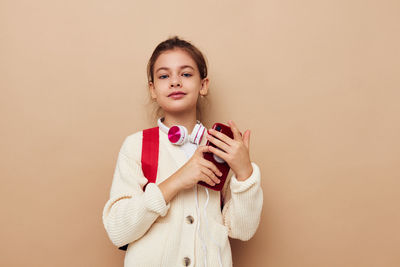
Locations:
177 43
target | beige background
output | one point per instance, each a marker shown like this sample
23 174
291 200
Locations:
317 82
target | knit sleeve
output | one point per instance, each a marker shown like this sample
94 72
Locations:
243 202
130 212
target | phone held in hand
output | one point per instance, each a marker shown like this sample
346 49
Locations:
219 162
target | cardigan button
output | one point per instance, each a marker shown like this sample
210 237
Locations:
189 219
186 261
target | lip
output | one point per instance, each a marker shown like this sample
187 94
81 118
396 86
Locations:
176 93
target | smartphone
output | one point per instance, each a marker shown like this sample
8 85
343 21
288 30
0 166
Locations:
219 162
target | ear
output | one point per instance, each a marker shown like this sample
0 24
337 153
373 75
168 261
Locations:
204 86
152 91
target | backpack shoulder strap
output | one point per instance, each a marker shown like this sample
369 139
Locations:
149 160
150 147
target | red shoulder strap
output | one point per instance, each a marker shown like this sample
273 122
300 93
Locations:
149 158
150 154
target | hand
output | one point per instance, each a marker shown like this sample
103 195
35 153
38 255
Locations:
196 169
235 151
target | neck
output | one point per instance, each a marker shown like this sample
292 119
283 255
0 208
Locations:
188 120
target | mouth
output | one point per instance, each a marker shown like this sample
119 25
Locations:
176 93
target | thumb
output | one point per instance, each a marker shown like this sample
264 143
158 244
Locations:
202 149
246 139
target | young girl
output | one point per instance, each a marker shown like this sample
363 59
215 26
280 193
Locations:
175 221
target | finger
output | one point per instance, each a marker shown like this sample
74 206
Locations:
218 152
235 130
207 179
208 164
221 136
202 149
218 142
211 175
246 138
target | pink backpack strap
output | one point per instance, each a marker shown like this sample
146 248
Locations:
150 147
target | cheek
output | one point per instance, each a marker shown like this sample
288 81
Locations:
159 83
192 85
160 87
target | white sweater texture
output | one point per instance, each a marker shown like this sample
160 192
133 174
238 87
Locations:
161 234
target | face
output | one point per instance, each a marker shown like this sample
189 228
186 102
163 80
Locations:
175 70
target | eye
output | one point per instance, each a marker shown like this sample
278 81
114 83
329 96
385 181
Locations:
187 74
162 76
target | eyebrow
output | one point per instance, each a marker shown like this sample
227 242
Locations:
181 67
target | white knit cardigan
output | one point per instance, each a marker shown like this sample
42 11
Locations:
165 235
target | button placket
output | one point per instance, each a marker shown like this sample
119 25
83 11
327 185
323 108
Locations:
188 235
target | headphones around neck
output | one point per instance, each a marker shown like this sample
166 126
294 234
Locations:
178 134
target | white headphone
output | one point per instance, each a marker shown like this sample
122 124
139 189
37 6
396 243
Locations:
178 135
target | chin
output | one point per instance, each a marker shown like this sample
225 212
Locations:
178 108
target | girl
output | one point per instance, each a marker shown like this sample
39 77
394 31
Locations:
175 221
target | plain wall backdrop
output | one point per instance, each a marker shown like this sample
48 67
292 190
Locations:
317 83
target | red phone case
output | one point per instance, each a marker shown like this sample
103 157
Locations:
223 167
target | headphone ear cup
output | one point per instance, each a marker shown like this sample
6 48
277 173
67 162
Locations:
178 135
197 134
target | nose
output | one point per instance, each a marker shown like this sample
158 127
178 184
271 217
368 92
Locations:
175 82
